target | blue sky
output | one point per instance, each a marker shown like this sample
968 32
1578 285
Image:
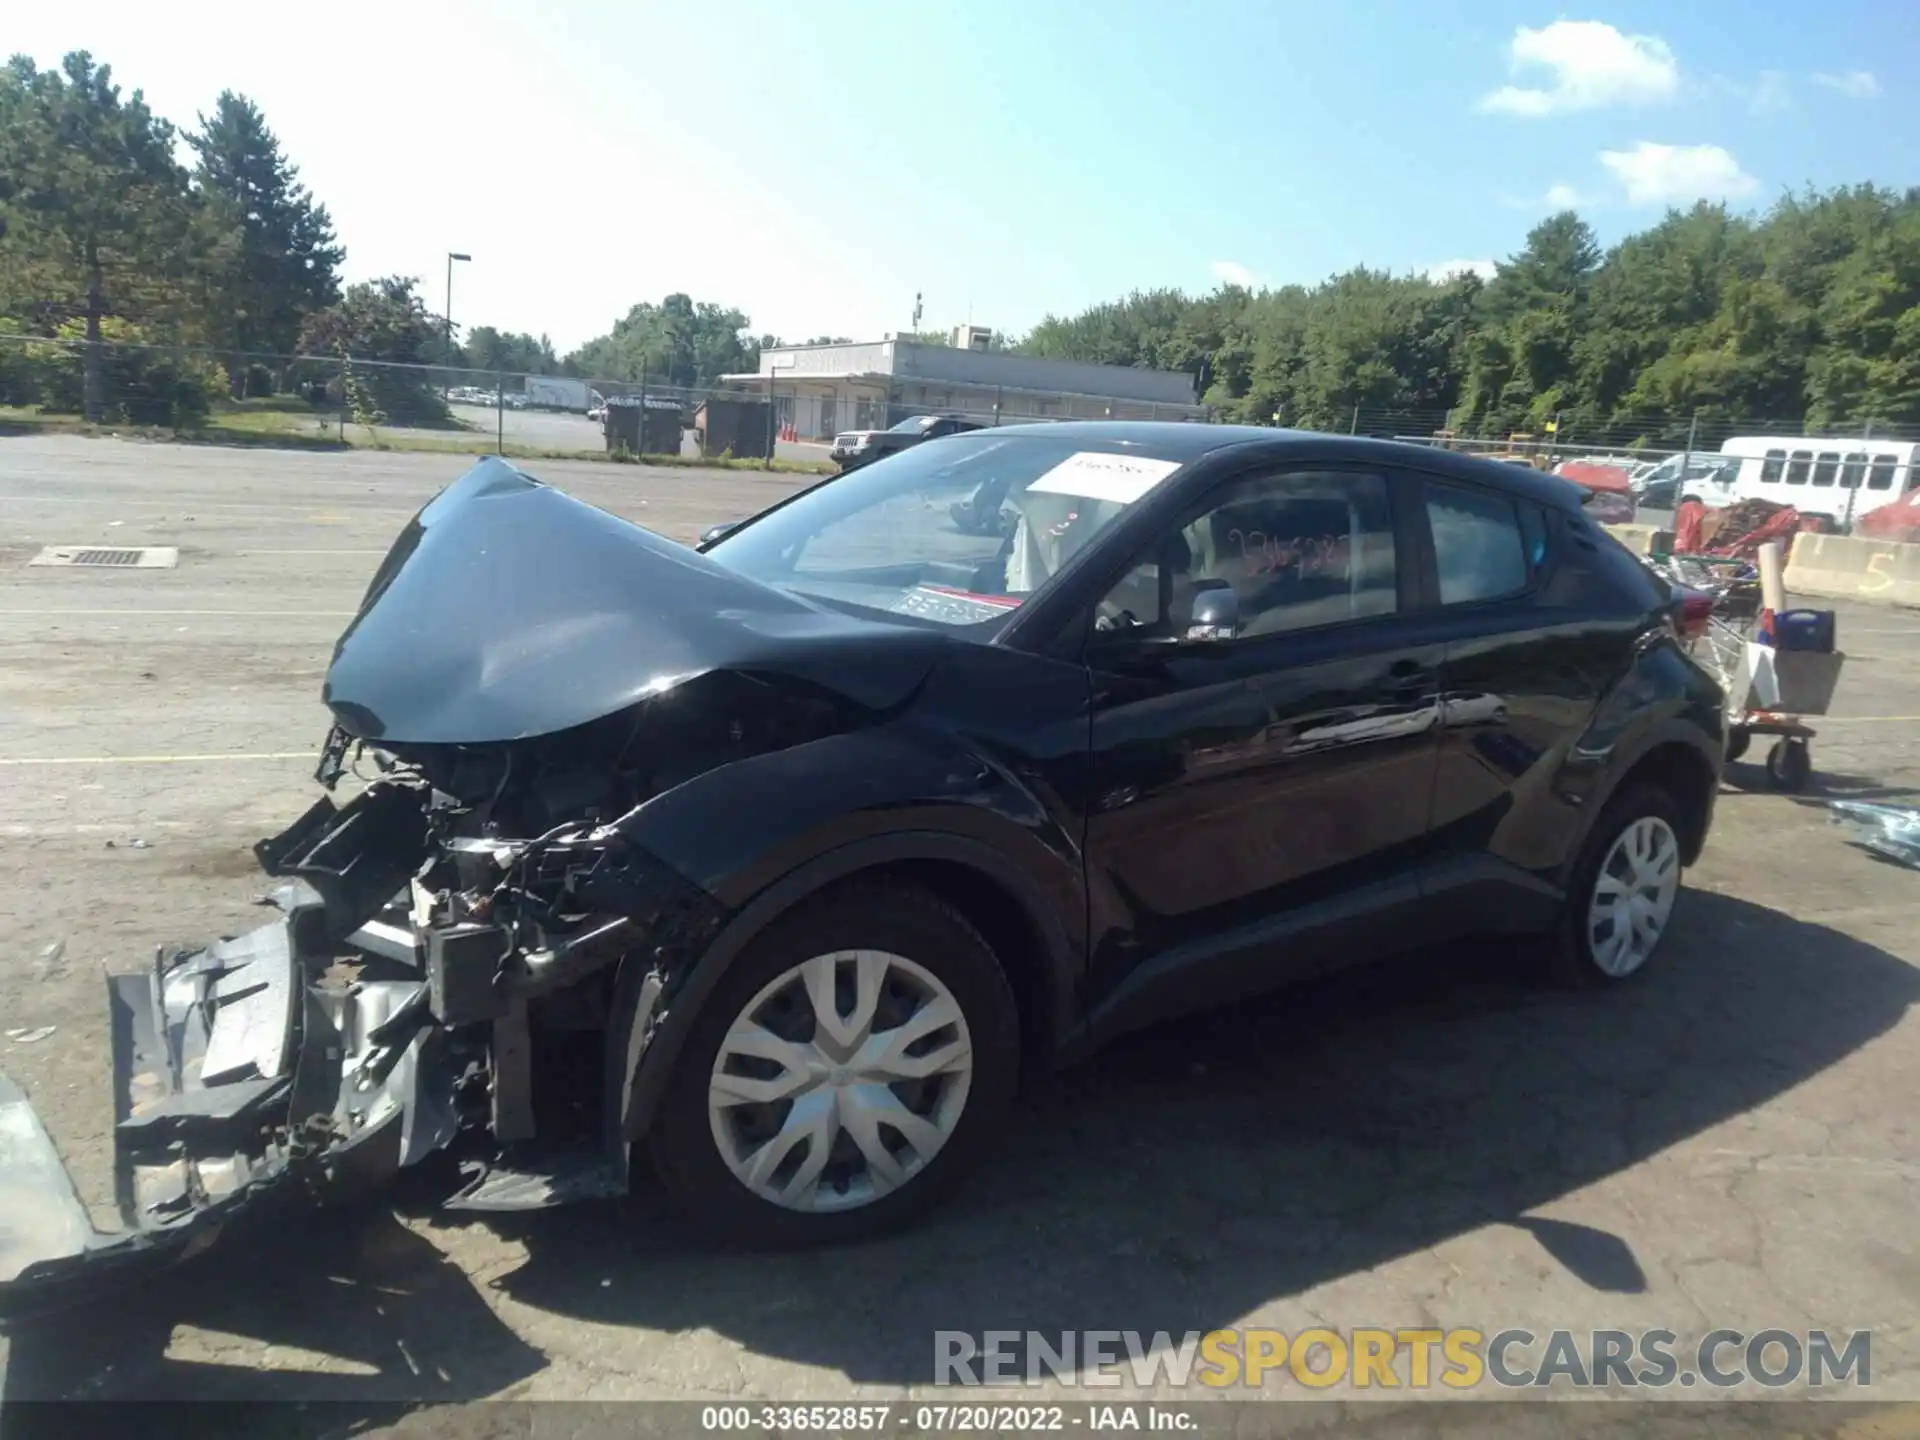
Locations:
817 164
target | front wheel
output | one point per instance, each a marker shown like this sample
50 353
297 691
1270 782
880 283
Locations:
1623 892
852 1063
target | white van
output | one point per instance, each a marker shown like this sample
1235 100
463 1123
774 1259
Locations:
1843 479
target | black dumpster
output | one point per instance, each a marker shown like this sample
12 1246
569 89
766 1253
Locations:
734 426
650 428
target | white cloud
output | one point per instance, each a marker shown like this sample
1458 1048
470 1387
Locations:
1772 91
1232 272
1447 269
1561 196
1854 84
1592 65
1677 174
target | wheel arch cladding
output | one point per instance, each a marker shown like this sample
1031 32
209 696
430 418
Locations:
1684 773
1007 909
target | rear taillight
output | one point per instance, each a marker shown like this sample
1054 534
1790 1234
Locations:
1691 611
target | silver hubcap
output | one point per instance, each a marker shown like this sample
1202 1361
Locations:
1633 895
840 1081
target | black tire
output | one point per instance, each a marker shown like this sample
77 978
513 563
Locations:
1737 742
1789 765
882 915
1570 956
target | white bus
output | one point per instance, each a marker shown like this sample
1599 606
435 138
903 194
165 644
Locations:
1843 479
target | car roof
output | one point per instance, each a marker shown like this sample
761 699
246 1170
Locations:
1189 441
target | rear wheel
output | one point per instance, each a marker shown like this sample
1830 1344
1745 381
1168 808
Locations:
848 1069
1624 888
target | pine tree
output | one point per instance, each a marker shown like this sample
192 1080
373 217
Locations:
100 219
283 263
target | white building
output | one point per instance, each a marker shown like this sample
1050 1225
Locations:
821 390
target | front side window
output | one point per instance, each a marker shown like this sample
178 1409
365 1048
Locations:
1797 466
1772 467
959 533
1298 549
1478 546
1824 467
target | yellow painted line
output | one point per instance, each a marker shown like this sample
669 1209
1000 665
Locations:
158 759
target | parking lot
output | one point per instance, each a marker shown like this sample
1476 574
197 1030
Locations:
548 430
1435 1142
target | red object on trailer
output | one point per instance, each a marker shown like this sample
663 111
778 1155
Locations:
1897 520
1608 479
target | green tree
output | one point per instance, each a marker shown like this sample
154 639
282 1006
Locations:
282 261
486 348
384 321
100 219
677 342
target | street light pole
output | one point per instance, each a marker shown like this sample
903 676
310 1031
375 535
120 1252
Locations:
452 255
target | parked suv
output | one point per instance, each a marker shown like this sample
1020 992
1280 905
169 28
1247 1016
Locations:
854 448
792 854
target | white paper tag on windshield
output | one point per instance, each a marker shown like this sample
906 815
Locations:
1096 475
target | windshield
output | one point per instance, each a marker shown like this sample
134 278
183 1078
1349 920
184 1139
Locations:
911 425
958 531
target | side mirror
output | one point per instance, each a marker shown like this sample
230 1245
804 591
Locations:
1216 614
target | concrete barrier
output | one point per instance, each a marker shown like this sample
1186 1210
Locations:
1846 567
1638 538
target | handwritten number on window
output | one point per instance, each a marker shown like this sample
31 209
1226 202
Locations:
1261 554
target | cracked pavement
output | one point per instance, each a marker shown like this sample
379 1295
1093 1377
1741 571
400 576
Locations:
1437 1141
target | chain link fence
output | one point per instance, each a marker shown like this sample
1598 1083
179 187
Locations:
333 401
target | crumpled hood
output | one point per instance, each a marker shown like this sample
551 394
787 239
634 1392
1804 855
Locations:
508 609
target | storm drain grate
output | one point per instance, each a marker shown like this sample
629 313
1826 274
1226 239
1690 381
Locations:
151 557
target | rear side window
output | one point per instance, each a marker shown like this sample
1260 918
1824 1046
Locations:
1772 467
1797 465
1479 547
1881 476
1823 467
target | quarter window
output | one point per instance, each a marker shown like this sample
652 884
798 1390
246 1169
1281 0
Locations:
1478 546
1881 476
1797 465
1771 467
1823 467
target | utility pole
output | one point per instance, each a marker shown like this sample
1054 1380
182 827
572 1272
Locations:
452 255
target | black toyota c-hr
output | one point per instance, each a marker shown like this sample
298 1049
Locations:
821 834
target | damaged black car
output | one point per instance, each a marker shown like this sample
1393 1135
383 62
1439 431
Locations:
787 856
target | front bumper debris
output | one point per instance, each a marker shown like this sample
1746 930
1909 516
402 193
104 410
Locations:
243 1070
234 1079
384 1014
